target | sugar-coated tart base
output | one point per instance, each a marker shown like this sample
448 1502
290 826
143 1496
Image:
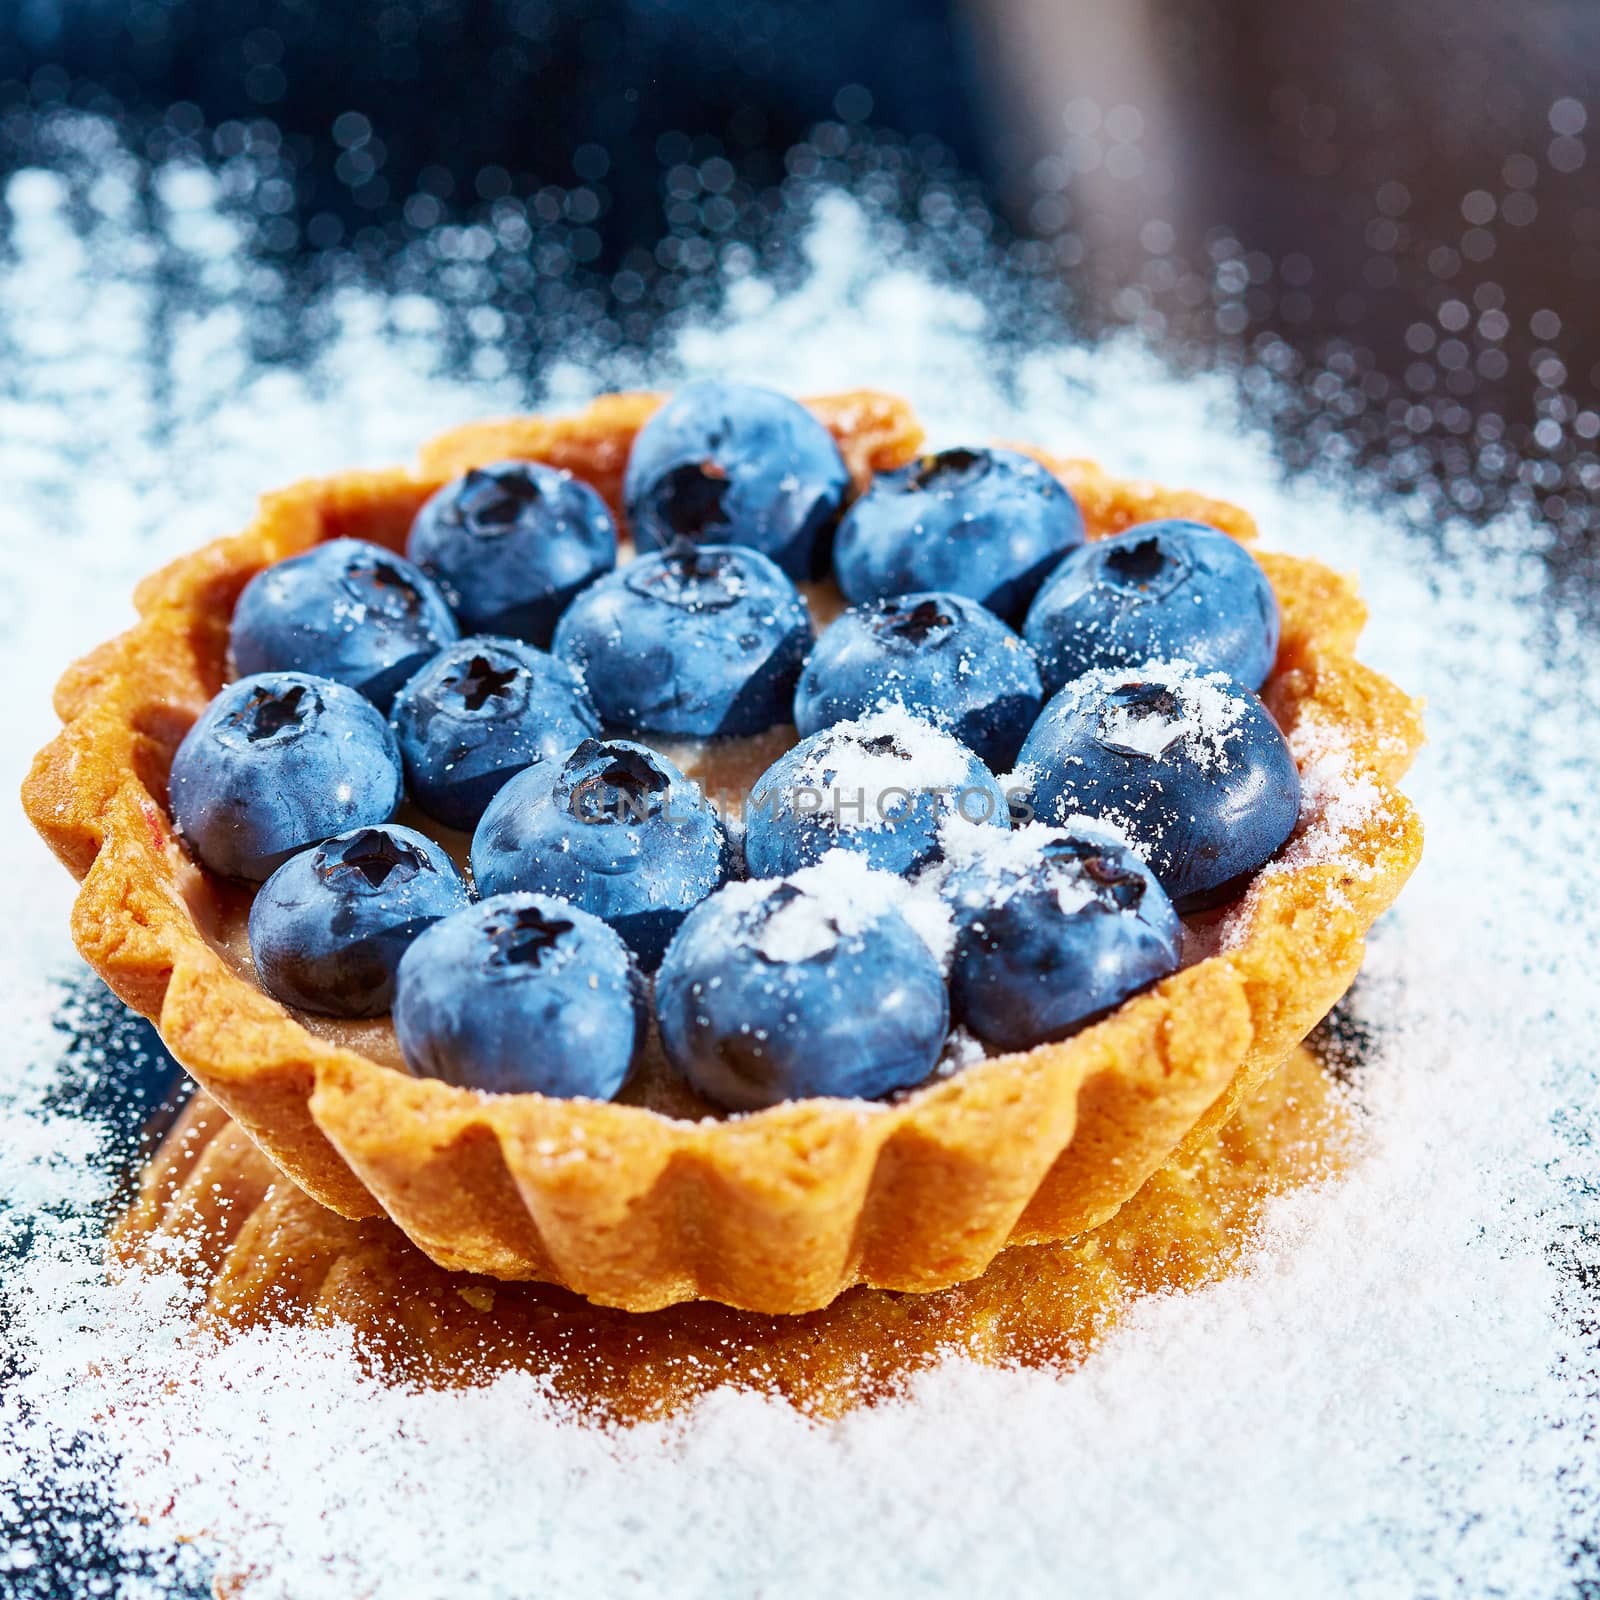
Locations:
260 1252
782 1210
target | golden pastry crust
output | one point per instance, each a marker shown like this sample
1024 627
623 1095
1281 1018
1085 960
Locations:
261 1252
779 1211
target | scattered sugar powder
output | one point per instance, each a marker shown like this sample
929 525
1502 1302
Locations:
1003 852
1007 861
798 930
1198 710
869 771
842 895
1395 1395
1338 798
1144 730
961 1049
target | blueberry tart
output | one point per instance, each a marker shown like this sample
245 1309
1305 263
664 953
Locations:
509 844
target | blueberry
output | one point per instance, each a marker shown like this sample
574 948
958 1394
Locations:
478 714
884 785
1190 766
695 640
989 524
942 656
616 829
1162 591
328 928
511 544
1054 928
784 990
277 762
345 610
726 463
523 993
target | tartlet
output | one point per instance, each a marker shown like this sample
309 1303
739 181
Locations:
640 1206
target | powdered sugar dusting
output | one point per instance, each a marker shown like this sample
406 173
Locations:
841 897
961 1050
1200 710
798 931
996 866
1338 798
881 760
1148 735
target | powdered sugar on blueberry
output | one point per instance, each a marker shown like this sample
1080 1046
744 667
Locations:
1147 710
